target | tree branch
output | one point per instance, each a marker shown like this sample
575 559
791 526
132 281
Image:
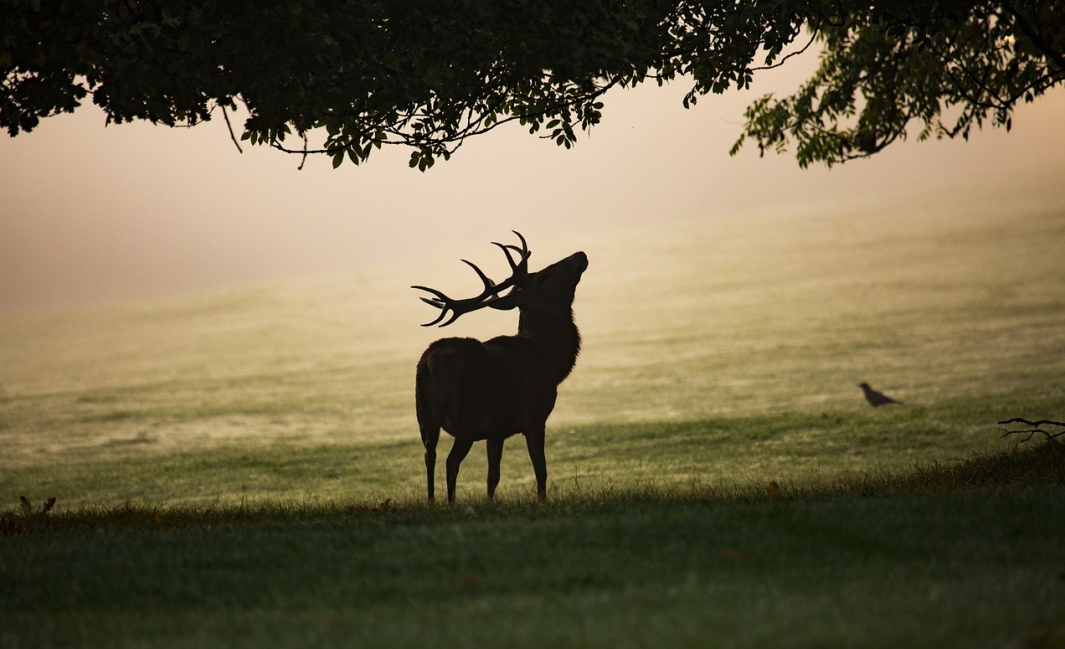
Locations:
1034 430
1037 38
233 137
814 31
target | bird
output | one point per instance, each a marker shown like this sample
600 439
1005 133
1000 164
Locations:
876 399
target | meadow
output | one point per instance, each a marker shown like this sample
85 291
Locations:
242 466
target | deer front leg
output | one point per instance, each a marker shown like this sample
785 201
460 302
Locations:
495 456
458 453
534 439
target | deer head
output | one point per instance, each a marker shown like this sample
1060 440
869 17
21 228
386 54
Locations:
552 287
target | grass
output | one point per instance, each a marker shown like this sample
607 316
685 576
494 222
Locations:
788 448
242 467
958 555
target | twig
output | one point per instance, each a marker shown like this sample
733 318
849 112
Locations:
1035 428
230 127
813 37
303 160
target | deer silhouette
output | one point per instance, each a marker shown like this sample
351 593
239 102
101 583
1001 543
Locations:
507 385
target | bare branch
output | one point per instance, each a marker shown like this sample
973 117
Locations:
1031 432
233 137
1041 422
303 160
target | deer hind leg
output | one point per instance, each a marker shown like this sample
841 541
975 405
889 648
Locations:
428 425
458 453
495 456
435 394
534 439
430 437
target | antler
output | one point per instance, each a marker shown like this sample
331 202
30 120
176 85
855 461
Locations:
518 270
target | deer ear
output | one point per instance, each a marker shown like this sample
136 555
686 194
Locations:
507 302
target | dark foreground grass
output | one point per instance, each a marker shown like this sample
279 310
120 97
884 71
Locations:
966 554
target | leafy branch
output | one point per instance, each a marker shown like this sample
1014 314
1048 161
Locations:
424 74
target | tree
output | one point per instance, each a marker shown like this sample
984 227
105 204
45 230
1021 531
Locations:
947 66
428 74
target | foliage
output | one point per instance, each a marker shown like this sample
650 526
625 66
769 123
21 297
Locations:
427 74
422 73
948 66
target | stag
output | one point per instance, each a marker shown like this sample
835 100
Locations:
498 388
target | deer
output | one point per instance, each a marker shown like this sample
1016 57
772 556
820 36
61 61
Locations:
495 389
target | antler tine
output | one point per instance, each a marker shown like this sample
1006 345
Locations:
524 246
441 298
506 251
489 285
441 302
523 252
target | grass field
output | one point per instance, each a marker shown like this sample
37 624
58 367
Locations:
960 556
242 466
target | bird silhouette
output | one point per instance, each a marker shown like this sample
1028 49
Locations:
876 399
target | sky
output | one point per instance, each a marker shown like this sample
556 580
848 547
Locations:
92 214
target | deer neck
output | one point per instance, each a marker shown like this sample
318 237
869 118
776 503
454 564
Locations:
557 333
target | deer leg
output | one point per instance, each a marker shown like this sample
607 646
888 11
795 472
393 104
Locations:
458 453
495 455
534 439
429 439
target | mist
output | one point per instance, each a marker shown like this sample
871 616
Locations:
94 214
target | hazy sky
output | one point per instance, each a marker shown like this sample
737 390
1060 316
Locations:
91 214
